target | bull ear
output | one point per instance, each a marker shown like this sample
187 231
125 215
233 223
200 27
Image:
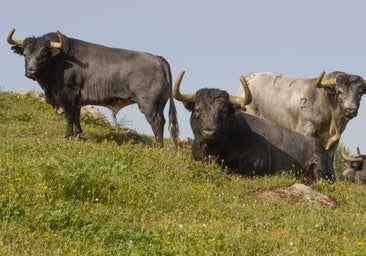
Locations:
238 108
54 52
17 49
330 90
189 106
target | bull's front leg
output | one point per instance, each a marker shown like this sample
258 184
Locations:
70 124
72 115
332 145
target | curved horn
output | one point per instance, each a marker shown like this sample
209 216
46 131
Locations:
242 101
318 81
59 44
348 158
10 39
329 82
186 98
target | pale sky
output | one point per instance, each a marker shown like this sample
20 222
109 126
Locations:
214 41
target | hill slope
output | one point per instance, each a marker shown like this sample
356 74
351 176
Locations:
93 196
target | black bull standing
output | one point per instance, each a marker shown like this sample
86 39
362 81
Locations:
247 144
74 73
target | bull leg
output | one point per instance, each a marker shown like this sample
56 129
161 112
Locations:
70 125
78 129
72 115
156 119
332 145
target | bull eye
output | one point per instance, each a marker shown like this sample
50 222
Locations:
197 111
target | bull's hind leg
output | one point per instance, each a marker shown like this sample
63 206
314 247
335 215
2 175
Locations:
78 129
156 119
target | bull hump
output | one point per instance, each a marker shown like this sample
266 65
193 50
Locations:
271 78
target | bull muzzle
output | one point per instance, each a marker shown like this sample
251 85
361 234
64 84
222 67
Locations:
209 135
350 112
30 74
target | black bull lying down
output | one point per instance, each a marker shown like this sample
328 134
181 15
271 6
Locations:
74 73
246 144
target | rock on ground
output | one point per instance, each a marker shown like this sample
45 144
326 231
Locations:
298 193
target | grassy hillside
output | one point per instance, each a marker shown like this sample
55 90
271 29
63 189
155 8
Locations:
93 196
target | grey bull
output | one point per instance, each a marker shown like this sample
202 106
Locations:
319 107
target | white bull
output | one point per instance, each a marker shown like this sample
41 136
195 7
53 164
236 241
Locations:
316 107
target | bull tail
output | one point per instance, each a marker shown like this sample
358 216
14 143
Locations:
173 121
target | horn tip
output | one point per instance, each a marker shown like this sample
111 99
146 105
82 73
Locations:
243 80
9 38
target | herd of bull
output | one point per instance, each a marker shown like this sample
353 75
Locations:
276 123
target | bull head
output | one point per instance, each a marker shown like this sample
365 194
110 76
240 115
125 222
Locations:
57 45
319 83
189 98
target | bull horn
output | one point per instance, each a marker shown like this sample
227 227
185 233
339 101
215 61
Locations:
186 98
348 158
242 101
59 44
318 81
358 151
11 40
329 82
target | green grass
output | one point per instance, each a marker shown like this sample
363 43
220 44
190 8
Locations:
93 196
